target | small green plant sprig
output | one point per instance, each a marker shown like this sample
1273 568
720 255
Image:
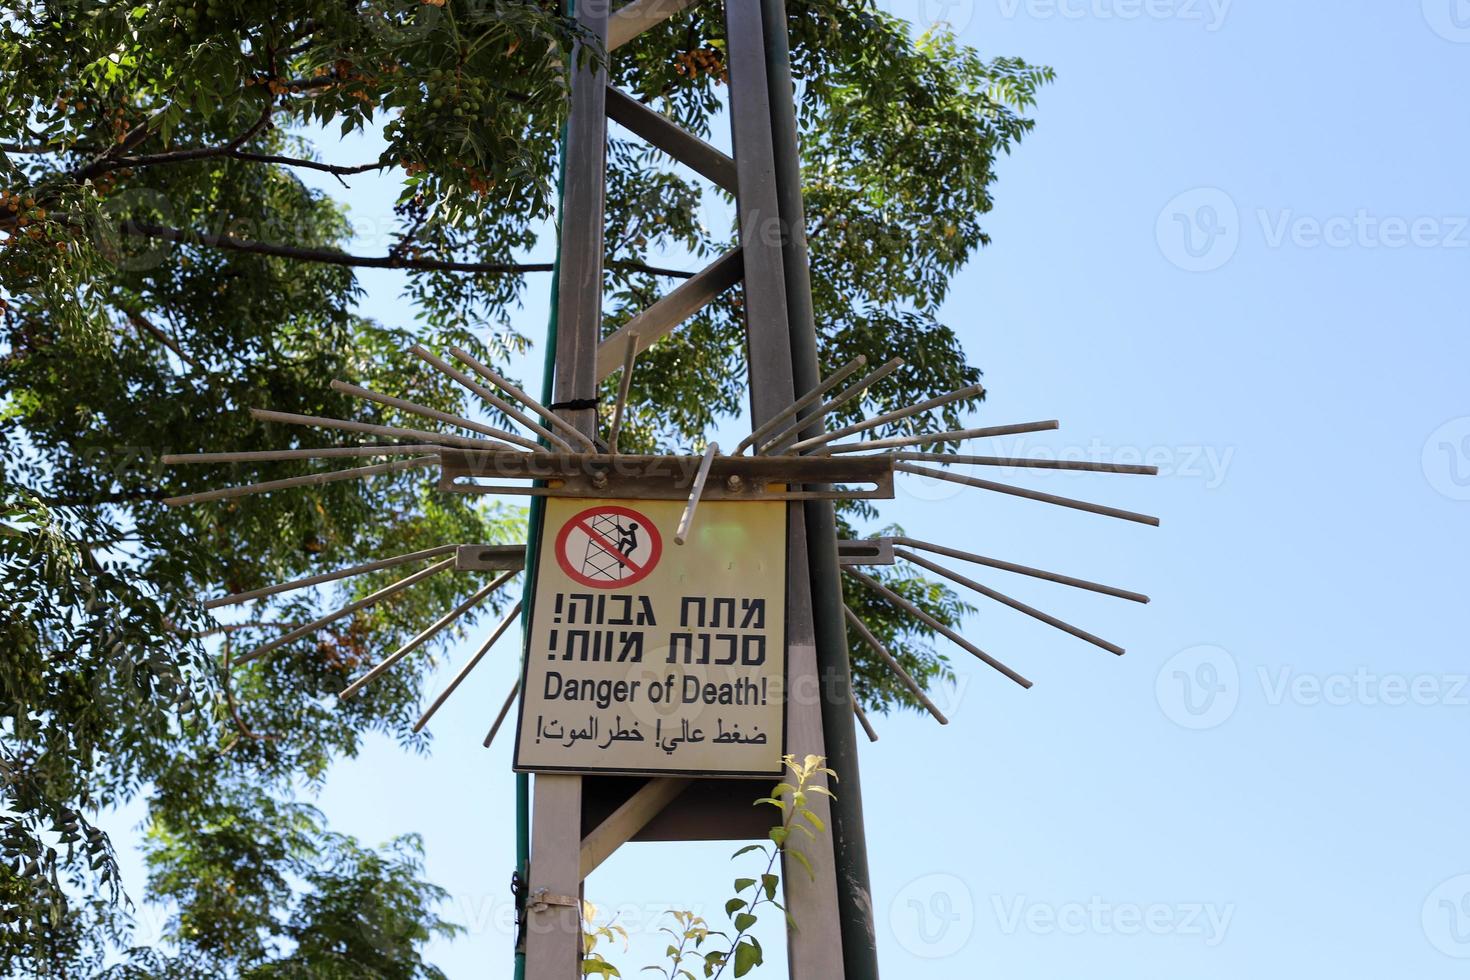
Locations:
592 961
744 952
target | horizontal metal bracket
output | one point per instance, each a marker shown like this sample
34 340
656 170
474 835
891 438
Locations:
490 558
632 19
540 900
667 477
871 551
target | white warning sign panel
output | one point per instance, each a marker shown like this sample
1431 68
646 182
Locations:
647 657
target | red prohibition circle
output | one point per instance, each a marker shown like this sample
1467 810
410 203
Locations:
603 552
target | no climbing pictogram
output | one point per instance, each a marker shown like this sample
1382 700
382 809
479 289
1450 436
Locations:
608 547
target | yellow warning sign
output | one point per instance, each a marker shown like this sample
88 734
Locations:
649 657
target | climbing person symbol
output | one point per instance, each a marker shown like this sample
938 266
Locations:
627 537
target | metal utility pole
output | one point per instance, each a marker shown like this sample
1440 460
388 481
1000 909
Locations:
781 346
553 910
859 946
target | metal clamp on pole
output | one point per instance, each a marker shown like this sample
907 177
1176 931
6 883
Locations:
541 900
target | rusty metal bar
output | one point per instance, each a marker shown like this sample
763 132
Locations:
1076 583
347 610
686 520
470 665
897 600
810 398
355 570
1004 599
310 480
1046 498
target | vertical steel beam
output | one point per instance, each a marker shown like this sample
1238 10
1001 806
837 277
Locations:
814 948
579 327
854 890
553 920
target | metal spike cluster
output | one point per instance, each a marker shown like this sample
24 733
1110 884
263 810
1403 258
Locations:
565 462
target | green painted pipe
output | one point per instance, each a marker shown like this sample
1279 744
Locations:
533 542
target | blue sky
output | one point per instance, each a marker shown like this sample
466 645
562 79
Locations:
1236 247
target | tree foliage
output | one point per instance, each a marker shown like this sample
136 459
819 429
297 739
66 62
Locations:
164 267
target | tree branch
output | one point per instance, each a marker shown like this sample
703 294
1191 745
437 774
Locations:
327 256
331 168
332 256
143 324
99 162
109 161
233 706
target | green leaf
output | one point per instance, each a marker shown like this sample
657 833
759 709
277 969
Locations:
747 958
744 921
801 858
743 883
770 881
